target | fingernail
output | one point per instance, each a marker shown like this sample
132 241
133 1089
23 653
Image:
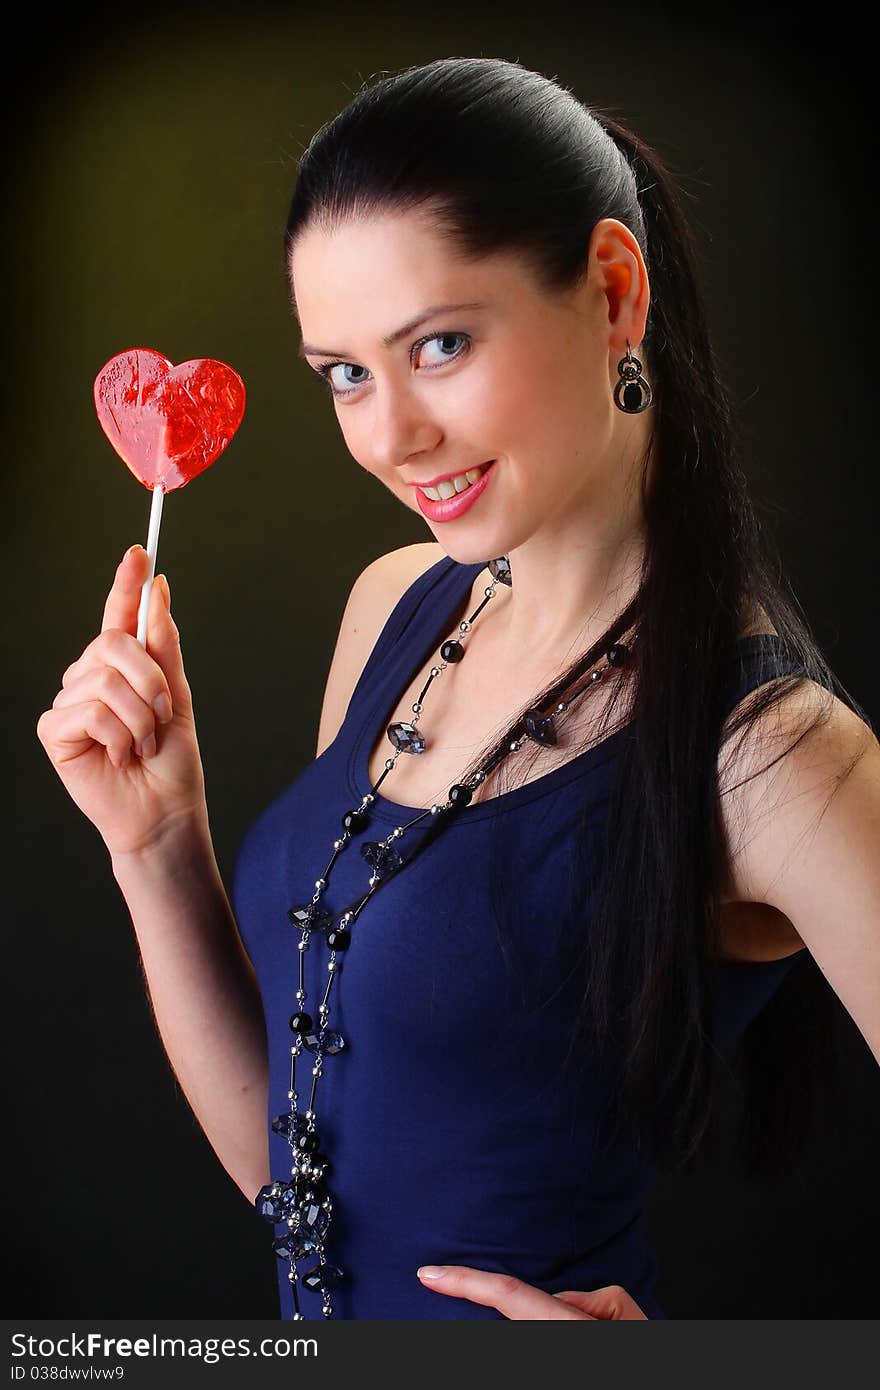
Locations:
130 551
148 747
431 1271
162 706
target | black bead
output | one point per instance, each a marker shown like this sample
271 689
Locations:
452 650
540 726
295 1244
617 654
326 1276
459 794
290 1125
311 916
632 396
301 1023
353 821
500 570
339 938
307 1143
406 737
273 1201
382 857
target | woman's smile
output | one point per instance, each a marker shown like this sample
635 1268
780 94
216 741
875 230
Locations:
451 500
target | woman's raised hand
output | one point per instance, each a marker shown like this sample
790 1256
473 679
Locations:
120 733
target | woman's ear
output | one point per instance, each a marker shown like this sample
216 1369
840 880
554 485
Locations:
616 263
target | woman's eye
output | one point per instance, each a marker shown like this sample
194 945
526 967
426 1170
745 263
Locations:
448 348
341 384
444 339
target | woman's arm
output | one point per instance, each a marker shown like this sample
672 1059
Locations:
204 995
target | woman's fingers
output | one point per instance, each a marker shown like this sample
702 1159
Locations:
119 651
610 1303
67 733
512 1297
107 685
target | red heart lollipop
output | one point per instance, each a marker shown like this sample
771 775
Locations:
167 423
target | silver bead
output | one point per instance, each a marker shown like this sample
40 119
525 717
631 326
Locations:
309 1114
435 670
489 591
560 707
434 810
302 945
291 1222
416 708
291 1095
316 1071
515 745
368 799
464 626
298 1317
397 832
595 676
291 1274
331 966
337 844
320 883
300 995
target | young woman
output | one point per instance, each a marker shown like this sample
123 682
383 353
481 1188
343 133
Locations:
588 800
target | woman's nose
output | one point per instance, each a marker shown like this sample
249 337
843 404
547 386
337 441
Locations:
402 426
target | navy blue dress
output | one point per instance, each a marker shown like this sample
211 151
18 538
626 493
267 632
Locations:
452 1137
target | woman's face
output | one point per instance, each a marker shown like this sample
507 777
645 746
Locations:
513 376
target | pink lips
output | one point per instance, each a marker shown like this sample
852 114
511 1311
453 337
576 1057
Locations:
455 506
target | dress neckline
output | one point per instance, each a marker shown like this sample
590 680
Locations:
361 749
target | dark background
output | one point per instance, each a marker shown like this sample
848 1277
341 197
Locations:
151 158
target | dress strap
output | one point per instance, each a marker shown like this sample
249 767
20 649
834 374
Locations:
437 578
758 659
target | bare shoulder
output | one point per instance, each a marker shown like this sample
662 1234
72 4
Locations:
811 850
781 779
373 598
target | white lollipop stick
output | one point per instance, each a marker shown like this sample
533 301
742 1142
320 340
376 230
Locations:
152 547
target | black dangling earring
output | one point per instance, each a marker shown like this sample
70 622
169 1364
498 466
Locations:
632 394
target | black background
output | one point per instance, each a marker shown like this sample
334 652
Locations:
150 160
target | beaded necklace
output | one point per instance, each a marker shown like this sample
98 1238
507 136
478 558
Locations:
302 1203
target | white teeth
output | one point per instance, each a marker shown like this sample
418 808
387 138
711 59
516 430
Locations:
450 486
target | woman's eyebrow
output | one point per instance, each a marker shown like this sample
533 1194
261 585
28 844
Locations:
392 338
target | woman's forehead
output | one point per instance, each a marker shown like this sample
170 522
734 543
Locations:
394 267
